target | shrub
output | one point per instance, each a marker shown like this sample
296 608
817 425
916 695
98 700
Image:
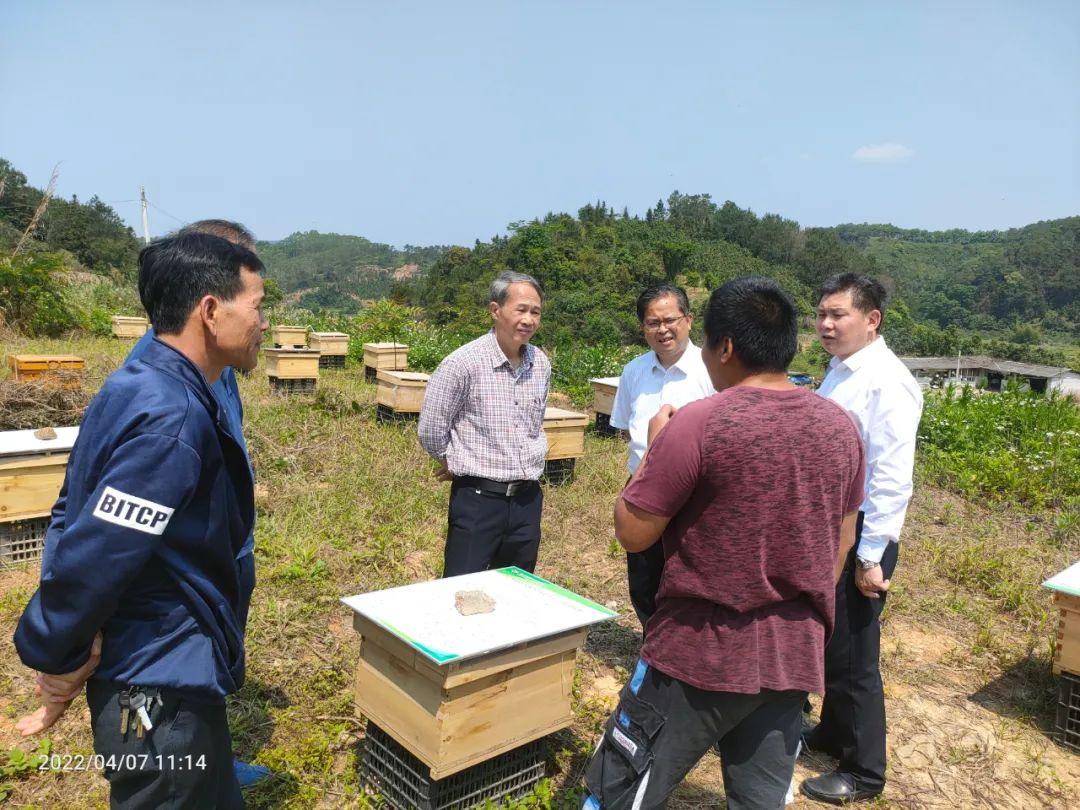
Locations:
31 294
1017 446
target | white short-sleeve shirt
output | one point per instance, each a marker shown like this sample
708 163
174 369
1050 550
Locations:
645 385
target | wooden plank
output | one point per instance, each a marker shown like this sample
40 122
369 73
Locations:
294 336
565 442
380 699
384 638
604 389
30 485
401 391
333 344
291 364
454 716
1067 645
129 326
393 356
62 368
527 702
565 433
527 653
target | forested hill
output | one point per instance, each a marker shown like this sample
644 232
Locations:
982 279
593 265
335 271
949 286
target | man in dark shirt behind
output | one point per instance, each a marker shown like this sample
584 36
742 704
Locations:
755 493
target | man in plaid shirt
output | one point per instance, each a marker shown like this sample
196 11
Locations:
483 422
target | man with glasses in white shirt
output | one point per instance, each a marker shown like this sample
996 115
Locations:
671 373
878 391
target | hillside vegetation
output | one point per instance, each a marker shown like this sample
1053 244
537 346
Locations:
338 272
1012 294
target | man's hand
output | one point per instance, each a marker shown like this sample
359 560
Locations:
58 691
870 583
659 422
441 472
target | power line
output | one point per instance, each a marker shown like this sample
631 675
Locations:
166 213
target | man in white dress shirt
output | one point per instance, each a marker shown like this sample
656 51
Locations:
671 373
871 383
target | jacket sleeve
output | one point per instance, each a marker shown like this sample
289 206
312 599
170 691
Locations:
102 549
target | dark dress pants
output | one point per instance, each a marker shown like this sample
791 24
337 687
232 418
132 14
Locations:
185 761
644 570
853 712
487 530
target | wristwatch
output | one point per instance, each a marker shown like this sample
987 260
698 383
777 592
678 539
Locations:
865 565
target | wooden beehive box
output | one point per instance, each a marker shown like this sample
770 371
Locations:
129 326
604 389
65 369
565 433
457 687
388 356
330 343
289 337
401 391
291 364
32 472
1067 645
457 715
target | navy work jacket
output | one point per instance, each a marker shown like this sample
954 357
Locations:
228 395
156 505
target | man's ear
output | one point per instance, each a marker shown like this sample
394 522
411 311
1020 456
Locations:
493 308
727 350
874 319
208 313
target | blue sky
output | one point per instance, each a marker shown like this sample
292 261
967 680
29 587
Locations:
442 122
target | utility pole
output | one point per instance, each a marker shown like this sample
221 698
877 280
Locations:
145 221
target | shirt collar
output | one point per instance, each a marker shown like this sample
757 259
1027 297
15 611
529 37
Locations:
682 364
499 358
863 356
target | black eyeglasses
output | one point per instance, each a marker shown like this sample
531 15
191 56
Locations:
653 325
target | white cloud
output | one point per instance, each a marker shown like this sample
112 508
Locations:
883 153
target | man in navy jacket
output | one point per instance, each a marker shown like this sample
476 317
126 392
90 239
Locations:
157 504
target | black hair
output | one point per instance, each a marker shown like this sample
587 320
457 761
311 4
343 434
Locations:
177 271
662 291
759 317
867 294
225 228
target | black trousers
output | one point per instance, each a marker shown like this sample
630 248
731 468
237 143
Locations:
662 727
486 530
643 572
185 761
853 712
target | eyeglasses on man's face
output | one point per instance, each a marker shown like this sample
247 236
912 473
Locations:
656 324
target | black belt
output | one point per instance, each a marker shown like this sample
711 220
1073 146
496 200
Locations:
507 489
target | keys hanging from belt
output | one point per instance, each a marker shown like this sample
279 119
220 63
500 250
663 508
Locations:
136 703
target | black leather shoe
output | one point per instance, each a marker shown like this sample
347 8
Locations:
837 788
812 743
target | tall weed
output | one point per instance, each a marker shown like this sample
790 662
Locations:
1017 446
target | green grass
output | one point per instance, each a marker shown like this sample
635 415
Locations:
347 505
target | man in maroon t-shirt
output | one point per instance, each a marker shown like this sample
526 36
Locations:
755 493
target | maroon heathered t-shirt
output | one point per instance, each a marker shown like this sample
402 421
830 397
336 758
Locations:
756 483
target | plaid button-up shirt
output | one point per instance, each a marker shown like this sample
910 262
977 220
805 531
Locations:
485 418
